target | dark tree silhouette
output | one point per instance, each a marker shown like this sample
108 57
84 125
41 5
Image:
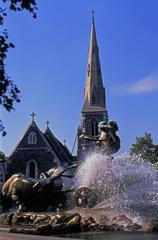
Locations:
9 92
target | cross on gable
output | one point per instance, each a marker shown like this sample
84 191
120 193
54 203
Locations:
33 116
47 123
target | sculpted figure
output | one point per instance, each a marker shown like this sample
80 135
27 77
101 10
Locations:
107 141
31 194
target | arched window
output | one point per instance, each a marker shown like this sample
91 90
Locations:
94 127
32 169
32 139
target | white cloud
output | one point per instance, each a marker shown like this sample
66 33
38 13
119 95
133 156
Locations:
144 85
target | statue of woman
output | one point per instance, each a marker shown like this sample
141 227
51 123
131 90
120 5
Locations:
107 141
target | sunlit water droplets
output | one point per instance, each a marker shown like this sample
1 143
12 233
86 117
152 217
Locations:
128 183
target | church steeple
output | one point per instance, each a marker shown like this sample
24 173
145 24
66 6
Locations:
94 106
94 94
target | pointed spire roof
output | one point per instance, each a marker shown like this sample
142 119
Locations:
94 94
93 38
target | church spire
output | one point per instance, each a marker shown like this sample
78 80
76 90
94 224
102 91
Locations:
94 106
94 94
92 16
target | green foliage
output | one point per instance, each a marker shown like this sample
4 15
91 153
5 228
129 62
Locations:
145 148
19 5
9 92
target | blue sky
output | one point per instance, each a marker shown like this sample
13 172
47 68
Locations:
49 66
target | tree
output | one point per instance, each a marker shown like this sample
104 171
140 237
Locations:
145 148
9 92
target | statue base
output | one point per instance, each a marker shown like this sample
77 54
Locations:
61 223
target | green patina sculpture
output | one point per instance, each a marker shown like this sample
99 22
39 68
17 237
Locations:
107 141
35 194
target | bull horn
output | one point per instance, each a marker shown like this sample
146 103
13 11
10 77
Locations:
61 173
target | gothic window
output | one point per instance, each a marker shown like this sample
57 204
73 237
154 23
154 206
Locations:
32 139
32 169
94 127
93 99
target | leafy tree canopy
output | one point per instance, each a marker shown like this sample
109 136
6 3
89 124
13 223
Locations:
9 92
145 148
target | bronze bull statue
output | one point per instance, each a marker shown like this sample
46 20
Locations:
35 195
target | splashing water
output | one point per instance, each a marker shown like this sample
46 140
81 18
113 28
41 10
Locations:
125 184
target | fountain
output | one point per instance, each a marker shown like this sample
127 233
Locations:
110 193
125 185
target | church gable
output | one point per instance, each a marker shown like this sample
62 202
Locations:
33 154
33 139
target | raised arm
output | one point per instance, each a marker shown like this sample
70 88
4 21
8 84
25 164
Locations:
90 138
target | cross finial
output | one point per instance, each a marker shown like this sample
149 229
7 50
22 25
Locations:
47 123
33 116
93 16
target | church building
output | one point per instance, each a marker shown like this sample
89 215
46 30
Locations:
37 152
94 105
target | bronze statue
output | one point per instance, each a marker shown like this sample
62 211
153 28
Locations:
35 195
107 141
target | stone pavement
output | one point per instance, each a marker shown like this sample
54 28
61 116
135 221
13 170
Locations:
14 236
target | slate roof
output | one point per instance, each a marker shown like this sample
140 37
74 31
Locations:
47 140
61 150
